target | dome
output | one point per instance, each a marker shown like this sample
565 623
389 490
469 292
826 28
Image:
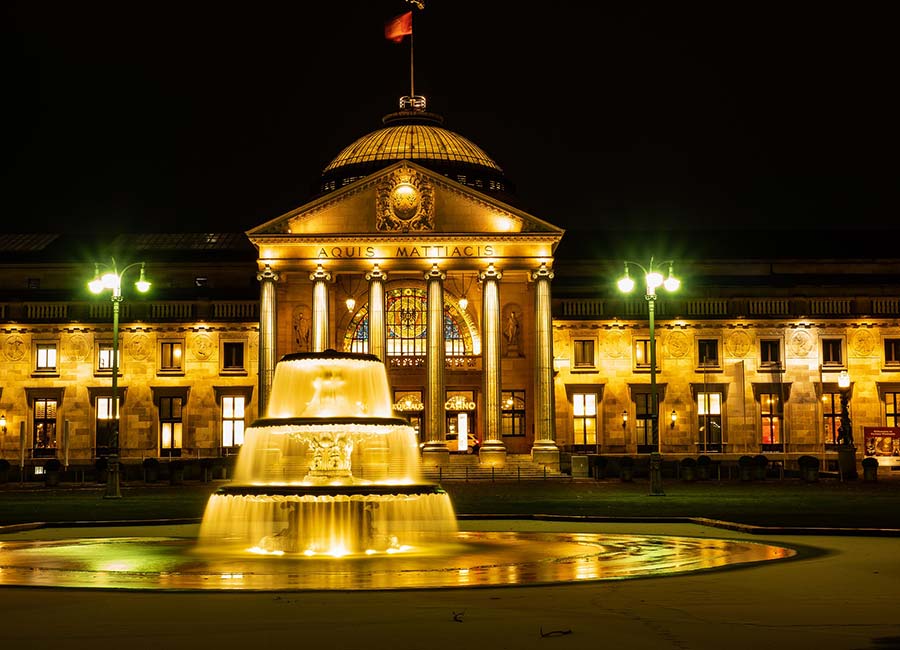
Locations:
419 136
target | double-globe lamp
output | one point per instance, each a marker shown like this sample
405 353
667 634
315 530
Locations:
111 280
653 279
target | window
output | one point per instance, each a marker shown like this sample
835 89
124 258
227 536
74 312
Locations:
170 356
642 355
892 353
232 420
584 353
406 315
709 424
45 357
708 353
771 408
892 409
44 427
232 355
832 351
512 413
105 357
584 408
170 425
106 426
831 412
770 353
645 436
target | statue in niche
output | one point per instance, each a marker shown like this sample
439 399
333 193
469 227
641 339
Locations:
512 332
301 330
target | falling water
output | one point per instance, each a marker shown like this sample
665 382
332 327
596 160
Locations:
328 471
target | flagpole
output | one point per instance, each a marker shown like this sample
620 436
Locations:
412 84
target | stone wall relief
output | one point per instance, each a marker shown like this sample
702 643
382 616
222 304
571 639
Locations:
613 344
404 202
138 346
78 347
737 344
202 346
14 347
862 343
800 344
677 344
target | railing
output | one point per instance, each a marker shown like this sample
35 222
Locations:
596 308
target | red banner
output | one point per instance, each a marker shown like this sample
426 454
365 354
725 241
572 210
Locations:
882 441
396 28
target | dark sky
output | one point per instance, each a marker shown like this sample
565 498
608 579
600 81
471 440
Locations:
202 115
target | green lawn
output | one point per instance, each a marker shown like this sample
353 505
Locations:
787 502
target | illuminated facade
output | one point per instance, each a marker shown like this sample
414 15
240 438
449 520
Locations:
502 334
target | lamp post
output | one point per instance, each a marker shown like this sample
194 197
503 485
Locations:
846 448
111 279
652 280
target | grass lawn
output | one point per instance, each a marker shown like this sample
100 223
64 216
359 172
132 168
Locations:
788 502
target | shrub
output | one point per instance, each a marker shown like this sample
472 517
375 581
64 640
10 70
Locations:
808 462
626 461
150 463
704 460
4 465
52 465
688 462
870 462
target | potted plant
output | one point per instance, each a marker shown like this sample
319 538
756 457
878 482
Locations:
626 468
101 467
4 470
870 468
600 463
745 468
52 469
151 470
809 468
688 469
176 472
760 465
704 467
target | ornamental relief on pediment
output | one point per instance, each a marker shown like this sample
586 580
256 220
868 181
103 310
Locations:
404 202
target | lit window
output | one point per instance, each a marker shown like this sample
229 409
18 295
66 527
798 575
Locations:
170 425
44 427
105 425
831 414
584 409
771 410
105 357
45 357
232 420
170 355
709 421
642 355
512 413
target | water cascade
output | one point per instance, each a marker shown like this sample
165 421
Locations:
329 470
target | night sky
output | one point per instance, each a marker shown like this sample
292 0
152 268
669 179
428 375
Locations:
220 116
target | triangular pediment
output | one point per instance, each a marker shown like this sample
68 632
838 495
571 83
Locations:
375 205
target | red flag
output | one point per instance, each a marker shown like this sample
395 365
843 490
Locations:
396 28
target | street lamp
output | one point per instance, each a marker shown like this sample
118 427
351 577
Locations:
652 280
111 279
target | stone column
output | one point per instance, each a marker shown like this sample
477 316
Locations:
544 450
267 309
377 329
435 451
319 335
493 451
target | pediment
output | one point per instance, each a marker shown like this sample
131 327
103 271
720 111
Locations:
404 199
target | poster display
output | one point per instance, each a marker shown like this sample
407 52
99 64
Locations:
882 441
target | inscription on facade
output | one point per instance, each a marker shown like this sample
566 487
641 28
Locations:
422 250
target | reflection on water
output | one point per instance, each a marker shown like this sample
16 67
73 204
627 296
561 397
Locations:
472 559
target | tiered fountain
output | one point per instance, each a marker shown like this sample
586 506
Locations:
329 470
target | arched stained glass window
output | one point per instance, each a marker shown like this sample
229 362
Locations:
406 316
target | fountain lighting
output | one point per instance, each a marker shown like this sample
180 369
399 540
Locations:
329 471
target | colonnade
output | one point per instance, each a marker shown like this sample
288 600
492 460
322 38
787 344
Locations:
493 450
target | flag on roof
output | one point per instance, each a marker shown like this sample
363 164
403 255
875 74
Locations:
396 28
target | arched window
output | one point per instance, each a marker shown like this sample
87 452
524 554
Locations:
406 316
